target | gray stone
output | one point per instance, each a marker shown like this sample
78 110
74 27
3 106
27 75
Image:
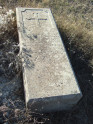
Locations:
1 7
49 80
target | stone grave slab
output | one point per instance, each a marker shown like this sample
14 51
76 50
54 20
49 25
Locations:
49 81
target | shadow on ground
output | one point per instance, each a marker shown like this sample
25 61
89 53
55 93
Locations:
82 113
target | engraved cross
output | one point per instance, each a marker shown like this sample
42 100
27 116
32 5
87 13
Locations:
37 18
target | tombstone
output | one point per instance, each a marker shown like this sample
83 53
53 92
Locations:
49 81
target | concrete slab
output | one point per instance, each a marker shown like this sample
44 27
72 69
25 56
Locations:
49 80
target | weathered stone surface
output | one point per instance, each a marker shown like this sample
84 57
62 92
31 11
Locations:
49 80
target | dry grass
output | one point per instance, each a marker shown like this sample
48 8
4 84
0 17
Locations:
79 36
72 17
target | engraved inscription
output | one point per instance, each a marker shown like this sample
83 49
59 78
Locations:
34 21
36 17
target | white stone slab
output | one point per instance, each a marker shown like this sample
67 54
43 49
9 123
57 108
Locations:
49 80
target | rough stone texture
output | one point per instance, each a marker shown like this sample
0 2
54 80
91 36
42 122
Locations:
49 80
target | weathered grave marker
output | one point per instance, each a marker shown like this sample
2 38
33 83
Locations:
49 81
